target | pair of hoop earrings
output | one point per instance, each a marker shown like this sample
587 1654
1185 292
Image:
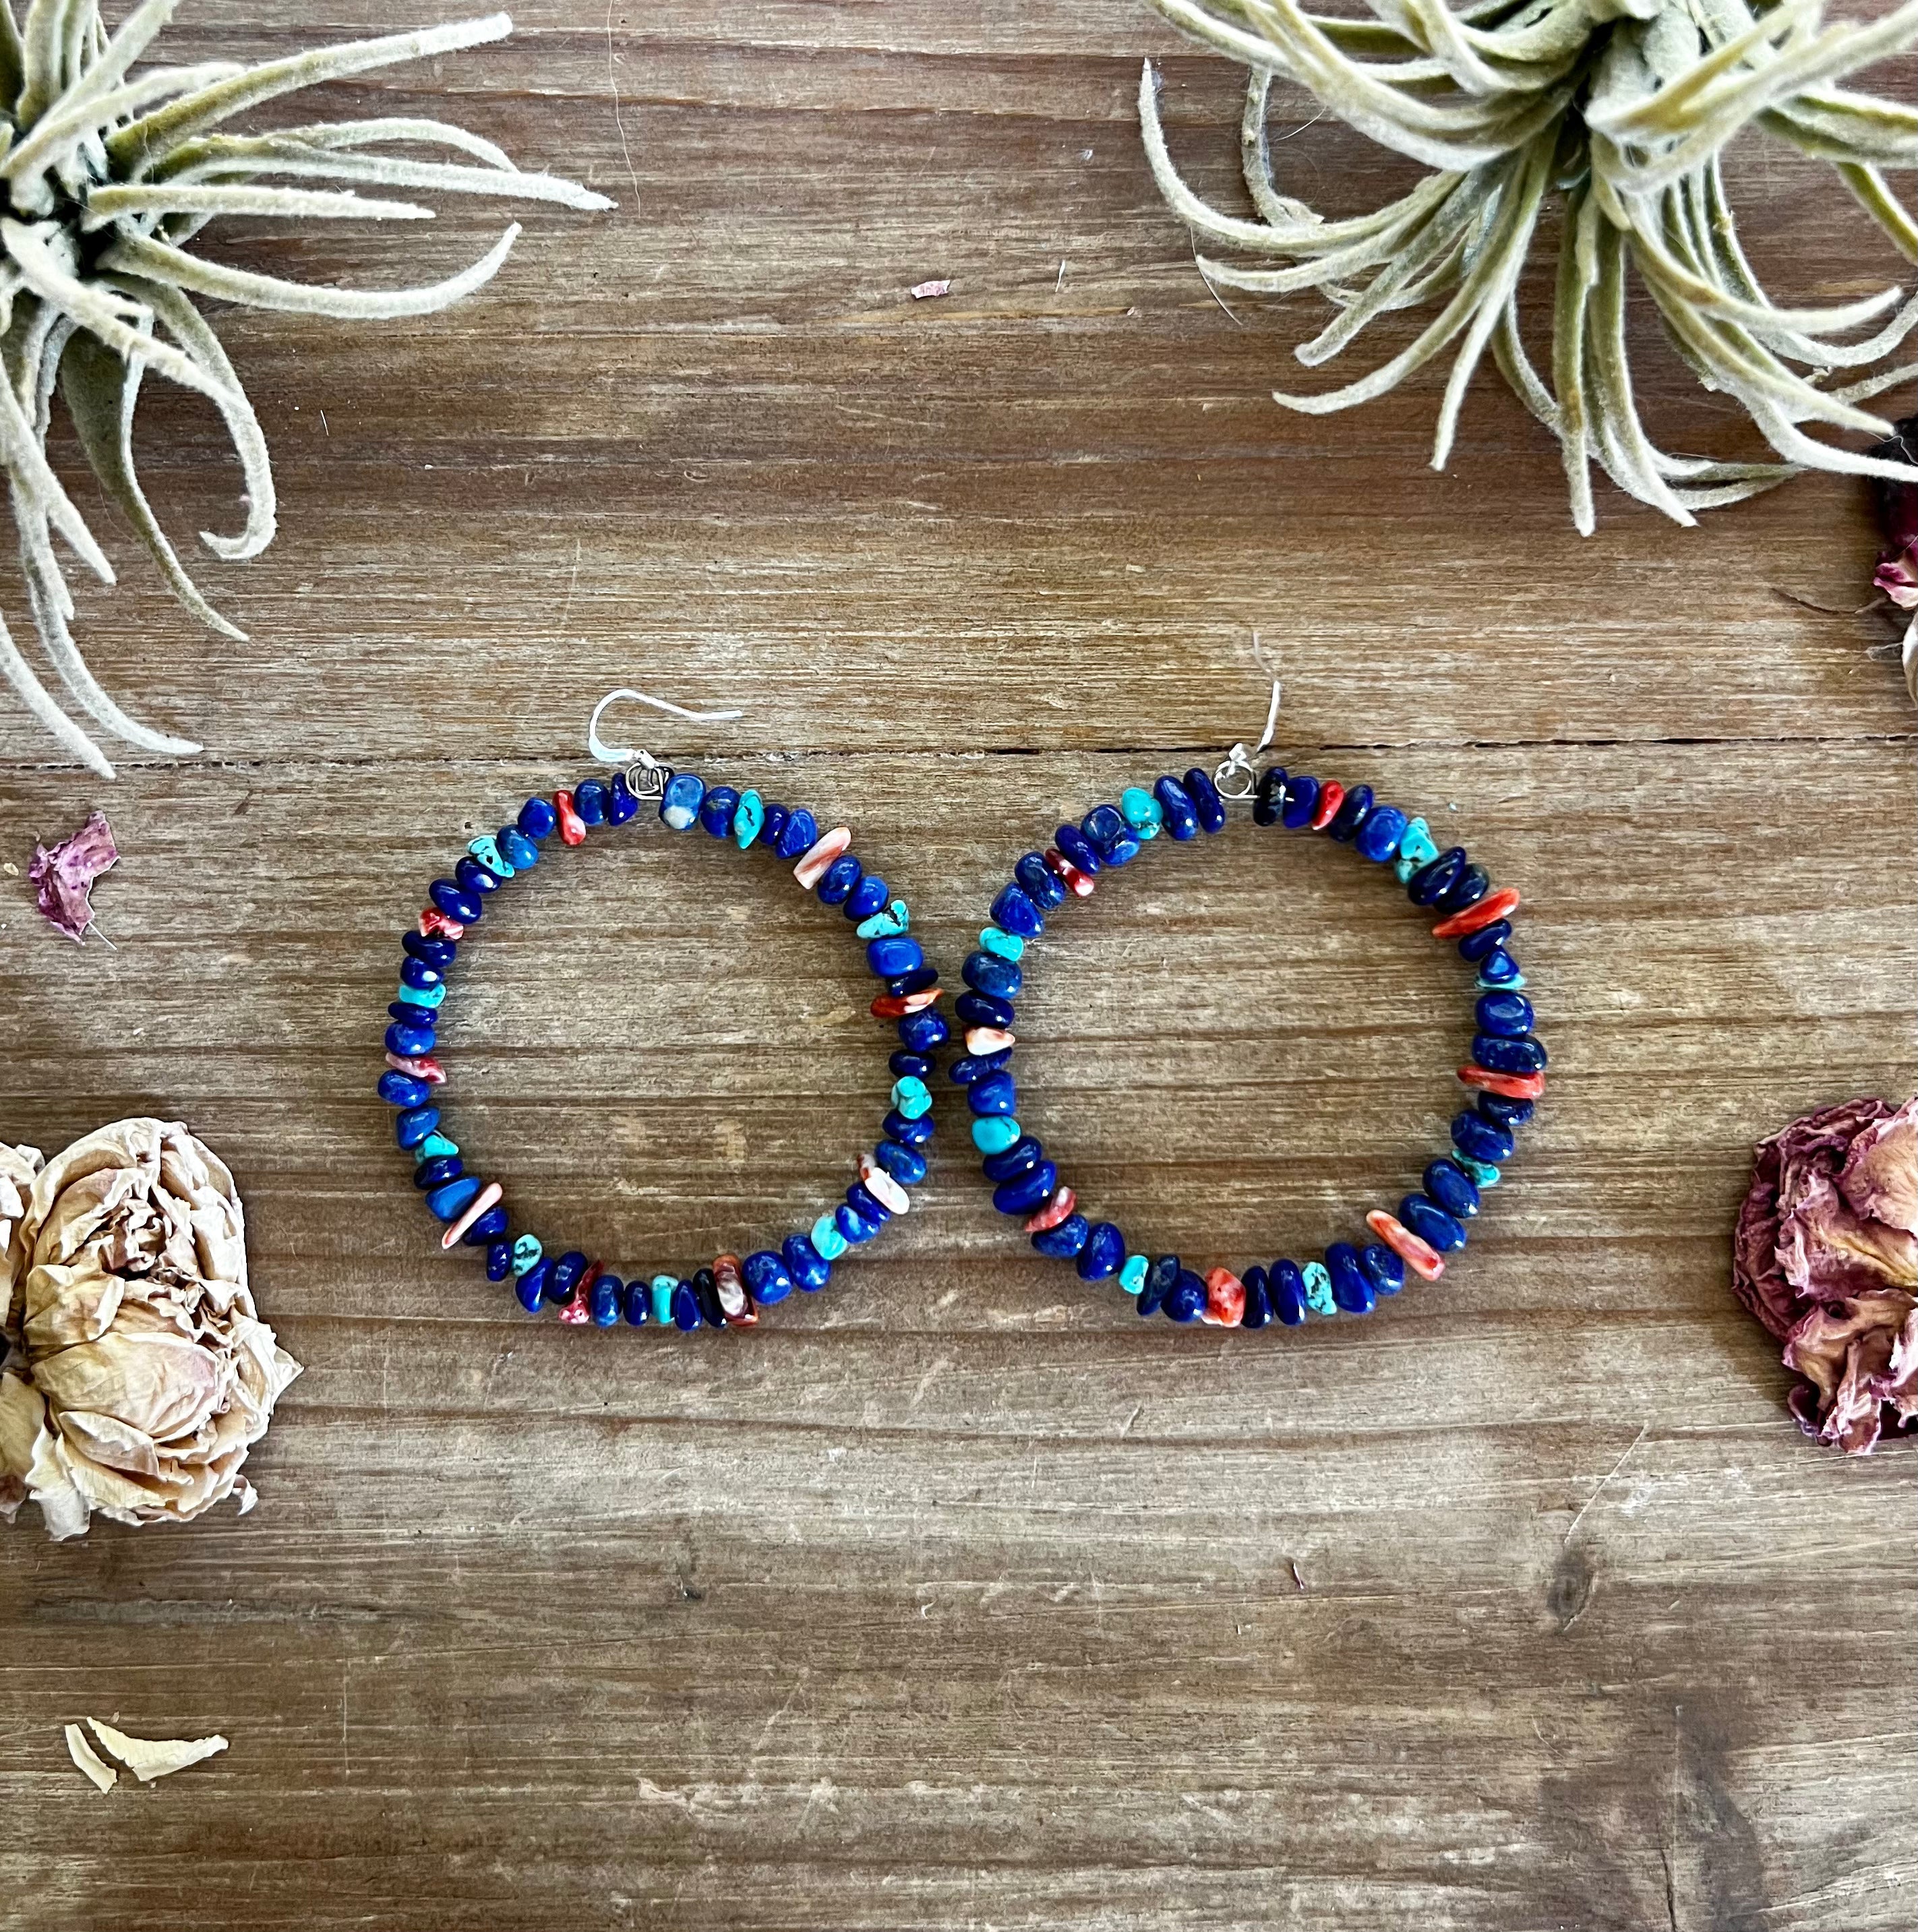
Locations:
1505 1076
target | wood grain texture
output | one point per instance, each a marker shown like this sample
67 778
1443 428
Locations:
956 1597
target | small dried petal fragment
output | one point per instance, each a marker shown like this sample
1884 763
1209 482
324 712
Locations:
63 875
149 1758
86 1758
924 291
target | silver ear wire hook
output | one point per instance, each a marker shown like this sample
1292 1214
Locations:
645 777
1237 777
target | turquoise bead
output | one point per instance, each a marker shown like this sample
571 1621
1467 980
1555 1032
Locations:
526 1251
1483 984
1132 1277
1006 945
887 925
434 1147
827 1242
422 996
1482 1171
1416 850
486 849
659 1292
1142 812
1319 1289
749 818
912 1097
993 1133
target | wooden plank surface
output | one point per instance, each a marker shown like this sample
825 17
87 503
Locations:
956 1596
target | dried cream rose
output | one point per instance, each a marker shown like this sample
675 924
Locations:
18 1166
150 1376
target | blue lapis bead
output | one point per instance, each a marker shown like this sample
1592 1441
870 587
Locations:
430 949
1025 1191
1508 1015
1258 1292
1268 801
1484 1140
867 898
1076 849
1466 890
680 799
417 973
1115 840
916 981
706 1293
1187 1301
983 1010
807 1266
1288 1293
799 835
1022 1157
853 1225
766 1276
567 1274
412 1127
921 1033
450 1201
531 1286
686 1316
987 973
862 1200
639 1304
1039 882
1378 837
454 902
1383 1268
1161 1278
1431 1223
1064 1242
778 816
1504 1113
410 1013
605 1303
997 1093
438 1170
1014 911
904 1164
517 849
499 1261
909 1066
1498 972
538 820
970 1067
1350 1288
1181 821
1429 882
1354 810
908 1133
1477 945
887 958
716 809
590 801
410 1042
622 802
402 1090
1103 1254
1524 1055
1206 801
1453 1188
1300 808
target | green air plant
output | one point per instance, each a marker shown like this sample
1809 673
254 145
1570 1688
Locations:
1618 111
107 175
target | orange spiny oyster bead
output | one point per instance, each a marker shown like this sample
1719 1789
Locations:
422 1067
573 827
898 1005
1493 906
1509 1086
1225 1299
573 1312
729 1284
434 924
1052 1212
817 858
980 1041
1419 1256
1331 795
1079 883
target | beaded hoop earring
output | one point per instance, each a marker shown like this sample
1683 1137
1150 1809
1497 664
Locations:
1505 1074
729 1293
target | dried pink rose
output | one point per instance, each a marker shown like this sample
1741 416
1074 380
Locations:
1826 1255
63 875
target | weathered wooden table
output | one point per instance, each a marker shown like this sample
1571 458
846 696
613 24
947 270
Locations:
958 1597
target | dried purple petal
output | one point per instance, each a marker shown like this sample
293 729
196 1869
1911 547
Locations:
63 875
1826 1255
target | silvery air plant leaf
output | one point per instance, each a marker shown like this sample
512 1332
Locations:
1615 113
107 176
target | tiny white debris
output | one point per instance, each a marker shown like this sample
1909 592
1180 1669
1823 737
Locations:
149 1758
925 289
86 1758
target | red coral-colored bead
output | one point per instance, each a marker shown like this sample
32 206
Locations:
735 1304
1331 795
1494 906
487 1199
1056 1210
574 1313
1418 1255
1225 1299
1079 883
1510 1086
897 1006
573 827
434 924
422 1067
